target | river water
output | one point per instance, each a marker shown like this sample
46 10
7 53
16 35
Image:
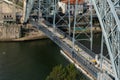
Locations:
32 60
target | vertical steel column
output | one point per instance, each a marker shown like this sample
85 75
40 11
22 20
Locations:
118 45
54 20
101 58
91 23
69 18
73 39
118 54
101 52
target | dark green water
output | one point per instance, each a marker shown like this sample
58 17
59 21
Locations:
32 60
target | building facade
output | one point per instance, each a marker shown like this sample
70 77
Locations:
8 11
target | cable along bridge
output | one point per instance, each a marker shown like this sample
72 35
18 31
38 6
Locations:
64 21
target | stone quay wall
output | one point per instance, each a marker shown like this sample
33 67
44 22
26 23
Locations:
10 32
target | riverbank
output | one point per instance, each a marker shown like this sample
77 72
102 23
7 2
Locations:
36 36
32 36
26 33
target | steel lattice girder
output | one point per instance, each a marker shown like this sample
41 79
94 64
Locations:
110 24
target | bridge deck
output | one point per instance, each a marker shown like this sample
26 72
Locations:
81 56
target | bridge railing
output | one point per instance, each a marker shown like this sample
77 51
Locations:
85 49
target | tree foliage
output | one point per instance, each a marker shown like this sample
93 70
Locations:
58 73
65 73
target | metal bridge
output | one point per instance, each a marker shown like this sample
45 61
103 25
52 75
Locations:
64 21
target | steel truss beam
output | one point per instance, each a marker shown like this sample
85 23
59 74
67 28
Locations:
62 19
110 23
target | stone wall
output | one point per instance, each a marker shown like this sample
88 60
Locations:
9 33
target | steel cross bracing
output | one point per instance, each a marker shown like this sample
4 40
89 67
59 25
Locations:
71 17
107 11
67 16
83 21
46 8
